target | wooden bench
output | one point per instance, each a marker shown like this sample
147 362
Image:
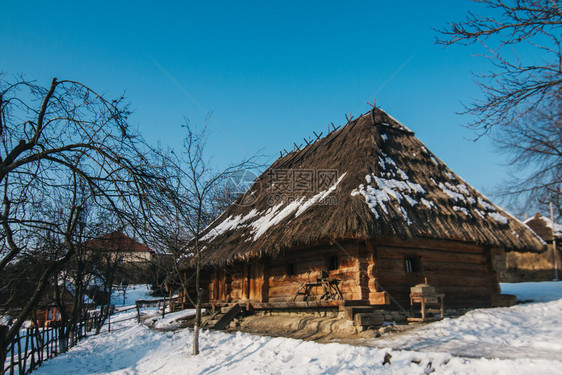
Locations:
428 302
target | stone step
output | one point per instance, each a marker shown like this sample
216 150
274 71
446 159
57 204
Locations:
226 318
351 311
368 319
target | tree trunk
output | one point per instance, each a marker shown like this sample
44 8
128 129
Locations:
199 300
3 346
197 325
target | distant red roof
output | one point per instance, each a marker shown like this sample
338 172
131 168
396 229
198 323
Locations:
118 242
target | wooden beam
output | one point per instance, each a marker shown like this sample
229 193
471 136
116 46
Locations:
379 298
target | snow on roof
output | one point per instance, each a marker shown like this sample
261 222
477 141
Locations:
393 186
547 222
260 222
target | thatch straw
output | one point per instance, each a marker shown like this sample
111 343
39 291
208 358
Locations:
424 199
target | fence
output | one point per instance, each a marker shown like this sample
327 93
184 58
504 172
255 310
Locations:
33 346
139 304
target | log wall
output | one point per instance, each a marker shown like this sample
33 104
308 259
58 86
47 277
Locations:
269 280
464 273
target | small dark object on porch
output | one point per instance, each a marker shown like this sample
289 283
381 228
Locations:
330 288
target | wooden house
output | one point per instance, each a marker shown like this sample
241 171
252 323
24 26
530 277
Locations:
357 217
48 311
121 248
533 266
131 259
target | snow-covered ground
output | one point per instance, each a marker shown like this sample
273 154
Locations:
132 293
523 339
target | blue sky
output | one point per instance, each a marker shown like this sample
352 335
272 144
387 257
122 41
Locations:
270 72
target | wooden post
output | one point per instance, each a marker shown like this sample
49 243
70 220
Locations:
18 338
26 348
12 362
138 312
554 243
164 308
171 301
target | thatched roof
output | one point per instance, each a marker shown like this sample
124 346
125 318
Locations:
543 227
372 178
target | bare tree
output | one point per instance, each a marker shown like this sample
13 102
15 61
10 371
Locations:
534 145
192 202
64 143
517 84
522 94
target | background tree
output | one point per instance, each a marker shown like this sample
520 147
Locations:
534 145
194 197
64 143
522 93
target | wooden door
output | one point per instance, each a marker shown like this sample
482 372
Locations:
256 282
220 287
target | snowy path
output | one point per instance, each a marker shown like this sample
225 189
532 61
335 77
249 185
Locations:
526 338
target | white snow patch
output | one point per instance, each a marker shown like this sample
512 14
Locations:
521 331
275 214
260 222
173 320
230 223
523 339
384 137
486 205
498 217
548 223
319 197
428 204
411 200
453 194
464 210
132 293
395 186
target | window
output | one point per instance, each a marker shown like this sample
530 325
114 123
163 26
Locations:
291 269
412 264
332 263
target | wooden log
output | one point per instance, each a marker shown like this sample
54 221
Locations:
368 319
430 244
431 255
503 300
453 268
379 298
294 304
